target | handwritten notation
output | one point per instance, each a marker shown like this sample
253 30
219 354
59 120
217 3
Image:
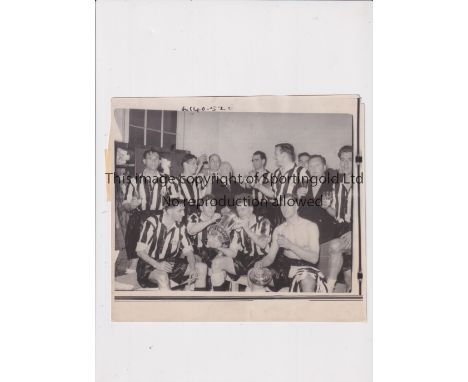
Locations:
198 109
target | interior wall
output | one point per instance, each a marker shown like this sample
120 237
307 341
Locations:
120 116
235 136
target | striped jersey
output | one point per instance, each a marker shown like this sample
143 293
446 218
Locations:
151 190
290 181
161 242
190 189
200 239
243 244
342 202
264 179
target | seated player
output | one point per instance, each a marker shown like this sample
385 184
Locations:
340 207
198 225
165 253
249 241
143 198
296 242
316 192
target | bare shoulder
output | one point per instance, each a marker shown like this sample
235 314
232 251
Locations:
278 230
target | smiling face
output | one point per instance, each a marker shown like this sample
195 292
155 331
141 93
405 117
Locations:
289 208
244 211
152 161
346 163
316 167
304 161
190 167
257 162
207 209
225 169
215 162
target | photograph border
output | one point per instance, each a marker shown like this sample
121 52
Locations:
275 104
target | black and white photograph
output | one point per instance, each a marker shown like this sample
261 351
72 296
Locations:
211 200
221 202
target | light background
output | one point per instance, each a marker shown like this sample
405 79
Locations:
420 81
227 48
236 136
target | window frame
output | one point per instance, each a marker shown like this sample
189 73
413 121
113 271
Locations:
145 128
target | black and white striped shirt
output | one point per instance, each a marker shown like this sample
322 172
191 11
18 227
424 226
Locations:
264 179
290 181
200 239
161 242
342 202
191 188
243 244
150 190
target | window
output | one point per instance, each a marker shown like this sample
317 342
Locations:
153 128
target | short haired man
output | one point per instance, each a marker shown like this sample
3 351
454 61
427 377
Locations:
225 188
288 178
303 160
340 207
214 162
318 187
165 253
144 198
249 242
189 186
198 225
261 175
295 244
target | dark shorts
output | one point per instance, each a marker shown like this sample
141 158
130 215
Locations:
347 261
134 227
341 229
177 274
242 264
281 268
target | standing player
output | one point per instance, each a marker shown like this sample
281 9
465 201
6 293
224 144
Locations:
249 242
318 187
288 178
296 242
144 198
165 253
263 176
340 206
189 186
198 225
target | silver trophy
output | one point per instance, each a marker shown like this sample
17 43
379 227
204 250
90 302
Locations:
222 230
259 278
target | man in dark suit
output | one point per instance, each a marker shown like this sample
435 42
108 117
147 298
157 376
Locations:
225 188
